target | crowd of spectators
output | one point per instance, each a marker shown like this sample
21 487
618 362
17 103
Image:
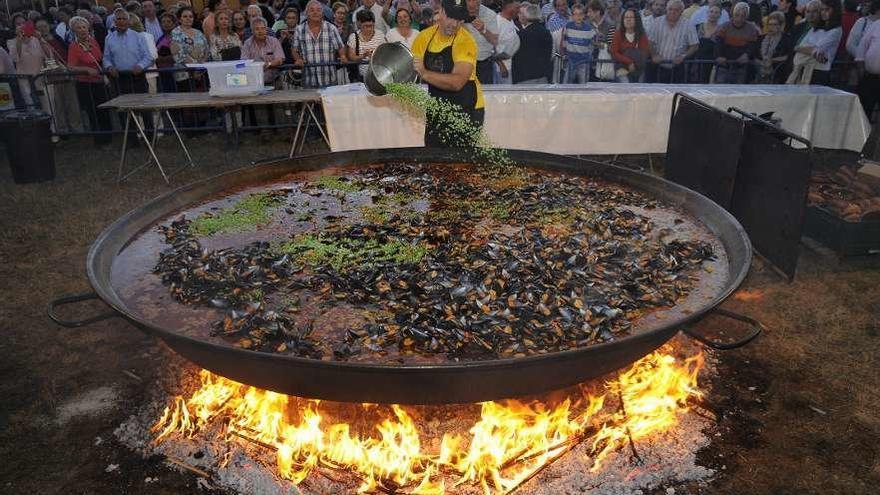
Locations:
144 46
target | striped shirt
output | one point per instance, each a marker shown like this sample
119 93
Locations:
578 42
320 49
547 10
672 41
556 22
359 46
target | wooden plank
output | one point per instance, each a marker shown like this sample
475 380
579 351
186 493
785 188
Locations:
167 101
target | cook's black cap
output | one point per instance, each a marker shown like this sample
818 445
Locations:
456 9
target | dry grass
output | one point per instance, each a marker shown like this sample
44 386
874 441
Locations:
821 350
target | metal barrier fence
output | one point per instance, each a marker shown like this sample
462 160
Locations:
702 72
73 102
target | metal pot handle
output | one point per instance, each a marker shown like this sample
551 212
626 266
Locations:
51 310
756 328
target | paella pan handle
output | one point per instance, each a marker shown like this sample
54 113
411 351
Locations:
61 301
756 328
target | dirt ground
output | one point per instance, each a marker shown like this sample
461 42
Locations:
797 409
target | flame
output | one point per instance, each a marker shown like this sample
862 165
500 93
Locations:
510 442
652 393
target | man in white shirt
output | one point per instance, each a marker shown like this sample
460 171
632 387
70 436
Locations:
379 12
673 39
868 60
484 28
861 27
508 41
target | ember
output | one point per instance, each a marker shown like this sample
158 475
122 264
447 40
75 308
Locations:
509 443
440 261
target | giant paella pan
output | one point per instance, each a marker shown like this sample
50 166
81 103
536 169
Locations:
414 276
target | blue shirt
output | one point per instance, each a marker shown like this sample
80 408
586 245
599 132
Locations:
125 50
578 42
556 22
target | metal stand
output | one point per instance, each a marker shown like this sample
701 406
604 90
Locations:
151 145
311 117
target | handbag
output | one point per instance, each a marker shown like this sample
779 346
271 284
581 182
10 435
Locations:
354 72
604 70
231 53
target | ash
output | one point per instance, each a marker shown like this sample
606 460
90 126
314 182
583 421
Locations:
664 461
667 460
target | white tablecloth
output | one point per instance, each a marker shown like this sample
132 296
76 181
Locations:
596 118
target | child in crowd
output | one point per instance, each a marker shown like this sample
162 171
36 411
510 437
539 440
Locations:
577 46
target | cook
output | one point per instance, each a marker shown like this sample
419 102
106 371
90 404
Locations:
445 56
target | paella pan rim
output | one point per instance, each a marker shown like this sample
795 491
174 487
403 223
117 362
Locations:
109 243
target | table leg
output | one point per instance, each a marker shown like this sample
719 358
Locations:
156 133
179 140
317 123
302 112
152 151
155 140
233 114
124 145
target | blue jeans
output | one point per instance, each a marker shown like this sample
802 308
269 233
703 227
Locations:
731 74
577 74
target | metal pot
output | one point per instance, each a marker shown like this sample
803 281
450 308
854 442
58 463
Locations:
390 63
419 384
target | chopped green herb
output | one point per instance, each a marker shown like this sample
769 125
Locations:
453 122
375 214
337 183
248 212
345 253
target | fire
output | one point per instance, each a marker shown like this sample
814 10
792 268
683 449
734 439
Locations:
510 442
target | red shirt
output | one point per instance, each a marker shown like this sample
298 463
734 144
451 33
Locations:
77 57
619 43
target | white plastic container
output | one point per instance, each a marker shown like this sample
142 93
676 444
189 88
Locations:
234 77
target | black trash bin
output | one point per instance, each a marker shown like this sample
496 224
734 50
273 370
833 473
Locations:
29 147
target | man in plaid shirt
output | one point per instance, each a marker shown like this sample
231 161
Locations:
317 41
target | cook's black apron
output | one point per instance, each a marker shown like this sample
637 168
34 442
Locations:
465 98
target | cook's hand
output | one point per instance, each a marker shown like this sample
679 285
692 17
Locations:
821 57
419 66
368 53
113 72
678 60
136 69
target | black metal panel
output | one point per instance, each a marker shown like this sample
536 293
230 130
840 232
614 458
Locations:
770 195
703 149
